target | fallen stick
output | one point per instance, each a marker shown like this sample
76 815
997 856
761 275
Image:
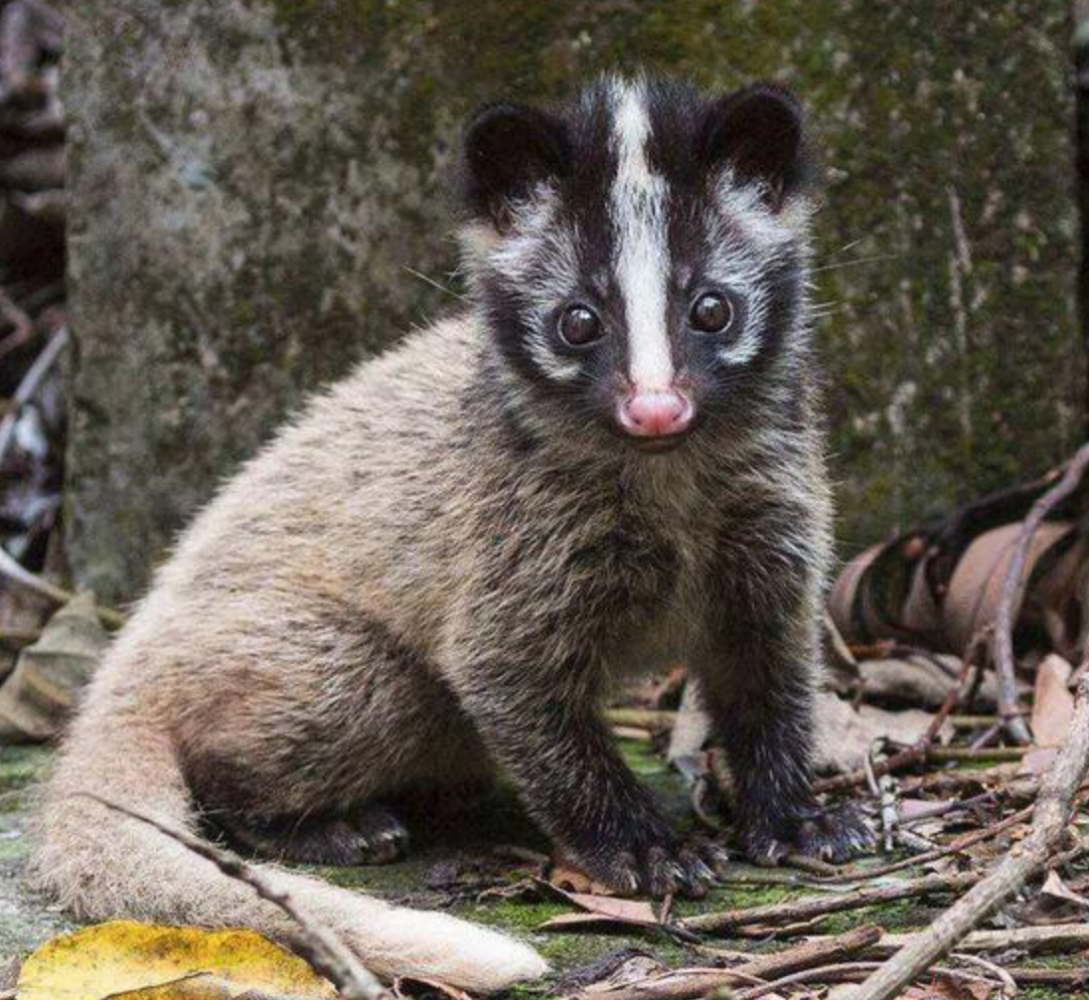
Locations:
1053 810
942 755
315 942
855 972
973 721
817 906
1067 978
1003 778
842 650
1013 593
841 972
641 718
1051 937
688 984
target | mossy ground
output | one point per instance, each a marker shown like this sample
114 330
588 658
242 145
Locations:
457 867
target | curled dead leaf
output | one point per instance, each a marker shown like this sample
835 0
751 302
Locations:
41 692
566 878
597 909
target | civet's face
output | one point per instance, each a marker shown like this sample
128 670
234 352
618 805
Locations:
641 253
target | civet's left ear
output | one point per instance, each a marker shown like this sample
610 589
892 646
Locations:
760 132
508 149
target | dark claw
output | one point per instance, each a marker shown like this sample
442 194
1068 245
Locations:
834 835
660 870
372 836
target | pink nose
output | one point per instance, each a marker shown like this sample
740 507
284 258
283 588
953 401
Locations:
656 414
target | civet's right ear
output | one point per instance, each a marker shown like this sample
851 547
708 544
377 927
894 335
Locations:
508 149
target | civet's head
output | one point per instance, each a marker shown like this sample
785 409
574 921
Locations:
640 253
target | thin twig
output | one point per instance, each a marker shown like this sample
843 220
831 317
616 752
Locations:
1009 987
1034 940
29 386
315 942
838 973
941 755
844 972
1053 810
919 751
1013 591
27 389
687 984
843 651
818 906
953 847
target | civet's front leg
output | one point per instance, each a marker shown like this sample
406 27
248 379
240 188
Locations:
758 681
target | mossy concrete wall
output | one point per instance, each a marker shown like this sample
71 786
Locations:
254 184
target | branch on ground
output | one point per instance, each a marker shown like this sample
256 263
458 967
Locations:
1027 859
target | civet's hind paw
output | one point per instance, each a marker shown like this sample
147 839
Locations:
370 836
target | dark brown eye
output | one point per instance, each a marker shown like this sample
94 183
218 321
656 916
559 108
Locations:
579 326
711 313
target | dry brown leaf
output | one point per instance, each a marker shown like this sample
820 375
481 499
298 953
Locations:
1053 707
845 735
1057 889
920 681
634 970
625 911
37 698
975 588
599 910
948 988
567 878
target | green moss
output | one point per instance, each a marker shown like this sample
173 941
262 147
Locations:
20 767
26 921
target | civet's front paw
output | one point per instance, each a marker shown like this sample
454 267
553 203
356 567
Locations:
834 835
657 864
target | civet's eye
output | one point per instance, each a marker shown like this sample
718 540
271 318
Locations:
711 313
579 326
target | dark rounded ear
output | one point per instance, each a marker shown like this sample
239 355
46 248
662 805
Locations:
760 132
509 148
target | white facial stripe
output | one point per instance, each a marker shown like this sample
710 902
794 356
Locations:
638 208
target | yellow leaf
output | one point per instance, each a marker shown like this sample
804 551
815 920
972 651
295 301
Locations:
142 961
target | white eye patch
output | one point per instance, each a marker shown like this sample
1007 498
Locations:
734 260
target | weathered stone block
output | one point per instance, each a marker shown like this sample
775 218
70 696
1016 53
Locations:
254 183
